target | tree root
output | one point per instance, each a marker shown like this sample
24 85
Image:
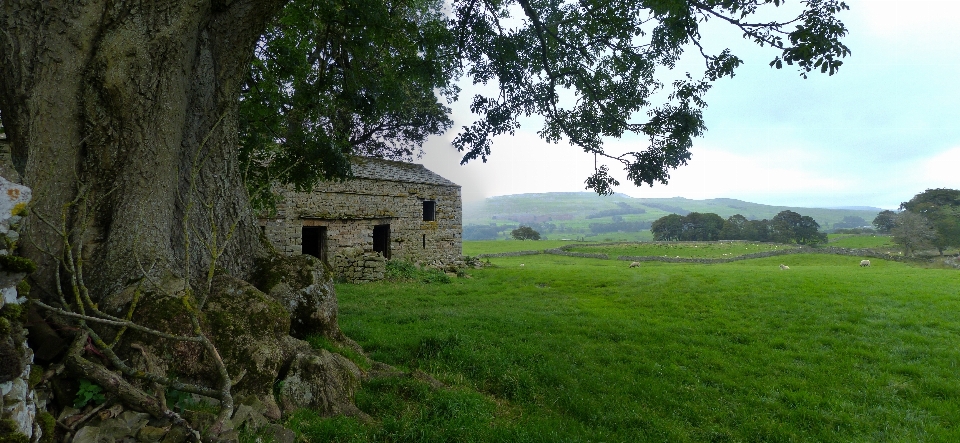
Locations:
126 393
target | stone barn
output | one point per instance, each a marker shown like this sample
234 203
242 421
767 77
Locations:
390 210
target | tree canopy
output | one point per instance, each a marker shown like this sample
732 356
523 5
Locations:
789 227
786 227
941 208
885 221
333 78
912 232
525 233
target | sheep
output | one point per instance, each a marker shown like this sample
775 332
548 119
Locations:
864 263
783 267
521 265
635 264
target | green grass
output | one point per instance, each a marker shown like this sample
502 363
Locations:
474 248
569 349
861 241
682 249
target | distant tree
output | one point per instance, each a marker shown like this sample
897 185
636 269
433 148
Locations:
668 227
913 232
946 222
784 225
885 221
734 228
808 232
759 230
941 207
790 227
701 226
932 199
525 233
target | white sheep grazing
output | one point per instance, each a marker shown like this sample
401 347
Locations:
783 267
635 264
864 263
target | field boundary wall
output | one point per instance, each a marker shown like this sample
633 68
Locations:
852 252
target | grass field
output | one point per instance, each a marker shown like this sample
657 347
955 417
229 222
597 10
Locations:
474 248
681 249
569 349
861 241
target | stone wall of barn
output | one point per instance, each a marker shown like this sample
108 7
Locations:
349 211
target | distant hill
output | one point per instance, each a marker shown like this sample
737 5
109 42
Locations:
574 212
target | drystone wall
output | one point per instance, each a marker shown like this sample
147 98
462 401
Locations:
852 252
19 402
350 210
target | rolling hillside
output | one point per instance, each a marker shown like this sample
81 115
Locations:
573 212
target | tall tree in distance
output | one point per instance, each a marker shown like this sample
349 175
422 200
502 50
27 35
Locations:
885 221
913 232
941 207
525 233
667 228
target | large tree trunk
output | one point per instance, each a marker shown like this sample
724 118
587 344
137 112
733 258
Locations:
137 102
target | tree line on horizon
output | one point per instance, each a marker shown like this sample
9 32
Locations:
785 227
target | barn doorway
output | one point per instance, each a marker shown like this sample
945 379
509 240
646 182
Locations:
314 241
381 240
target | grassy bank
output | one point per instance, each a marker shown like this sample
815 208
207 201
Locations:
572 349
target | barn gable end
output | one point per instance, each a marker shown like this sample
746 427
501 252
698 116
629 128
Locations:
390 210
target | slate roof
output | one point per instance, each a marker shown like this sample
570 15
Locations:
389 170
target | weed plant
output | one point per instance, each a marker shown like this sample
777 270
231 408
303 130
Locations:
575 350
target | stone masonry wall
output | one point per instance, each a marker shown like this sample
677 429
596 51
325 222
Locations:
19 403
350 210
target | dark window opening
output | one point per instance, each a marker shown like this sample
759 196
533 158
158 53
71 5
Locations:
381 240
314 241
429 210
424 241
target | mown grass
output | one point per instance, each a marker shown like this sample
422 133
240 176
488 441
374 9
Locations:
681 249
575 350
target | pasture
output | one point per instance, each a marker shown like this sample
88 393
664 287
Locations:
862 241
568 349
723 249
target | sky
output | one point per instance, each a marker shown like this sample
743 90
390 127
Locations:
883 129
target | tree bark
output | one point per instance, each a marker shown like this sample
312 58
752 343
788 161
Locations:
135 101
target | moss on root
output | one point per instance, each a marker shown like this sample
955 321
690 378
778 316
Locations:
13 263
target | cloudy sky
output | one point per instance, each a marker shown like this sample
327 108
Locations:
886 127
